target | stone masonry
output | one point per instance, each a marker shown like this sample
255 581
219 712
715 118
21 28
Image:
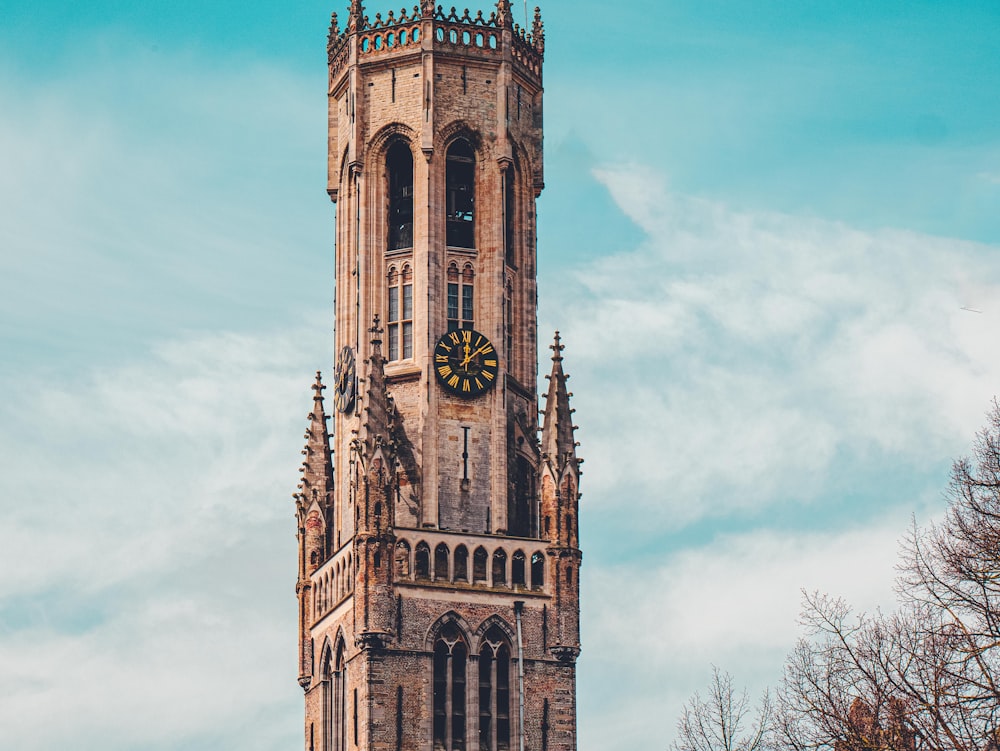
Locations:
438 573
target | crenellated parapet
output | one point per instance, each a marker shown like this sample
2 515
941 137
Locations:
427 26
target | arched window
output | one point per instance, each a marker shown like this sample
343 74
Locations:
422 562
399 168
500 569
517 569
510 213
441 562
479 560
508 302
460 182
494 692
520 499
450 656
461 307
399 313
335 700
461 564
537 570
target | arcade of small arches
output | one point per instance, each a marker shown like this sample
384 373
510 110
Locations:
333 583
499 567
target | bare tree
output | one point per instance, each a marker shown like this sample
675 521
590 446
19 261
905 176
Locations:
724 720
926 676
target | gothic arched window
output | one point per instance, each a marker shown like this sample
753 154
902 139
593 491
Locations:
517 569
510 214
499 569
461 564
520 500
461 299
450 656
422 562
441 562
399 168
537 570
479 561
460 185
494 692
399 317
335 700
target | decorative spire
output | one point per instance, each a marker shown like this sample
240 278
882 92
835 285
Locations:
356 22
379 412
317 469
558 443
504 18
538 31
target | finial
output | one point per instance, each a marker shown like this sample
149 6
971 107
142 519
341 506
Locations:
538 31
504 19
318 386
557 347
357 19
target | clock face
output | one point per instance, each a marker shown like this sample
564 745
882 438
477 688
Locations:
465 362
343 395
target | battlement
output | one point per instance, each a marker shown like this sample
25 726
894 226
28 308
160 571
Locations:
429 27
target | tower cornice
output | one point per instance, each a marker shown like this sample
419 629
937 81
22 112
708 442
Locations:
431 29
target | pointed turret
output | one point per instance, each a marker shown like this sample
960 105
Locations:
374 538
558 443
538 31
559 502
317 470
313 509
378 418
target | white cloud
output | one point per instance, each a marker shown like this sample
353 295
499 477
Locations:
740 355
653 627
149 548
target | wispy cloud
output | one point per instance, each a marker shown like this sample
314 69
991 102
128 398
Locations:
733 358
149 547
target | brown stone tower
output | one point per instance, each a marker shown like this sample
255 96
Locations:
438 549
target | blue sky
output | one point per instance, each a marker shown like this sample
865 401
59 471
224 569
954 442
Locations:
760 225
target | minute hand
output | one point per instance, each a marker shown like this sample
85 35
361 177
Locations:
481 349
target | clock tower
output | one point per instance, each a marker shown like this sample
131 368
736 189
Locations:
438 550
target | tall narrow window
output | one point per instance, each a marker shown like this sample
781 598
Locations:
423 561
499 569
461 300
450 655
441 562
509 231
399 165
517 569
460 180
461 564
335 709
399 313
494 692
479 561
509 325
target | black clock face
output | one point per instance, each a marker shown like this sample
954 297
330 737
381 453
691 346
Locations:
343 395
465 362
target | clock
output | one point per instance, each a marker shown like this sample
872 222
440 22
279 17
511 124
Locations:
343 394
465 362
